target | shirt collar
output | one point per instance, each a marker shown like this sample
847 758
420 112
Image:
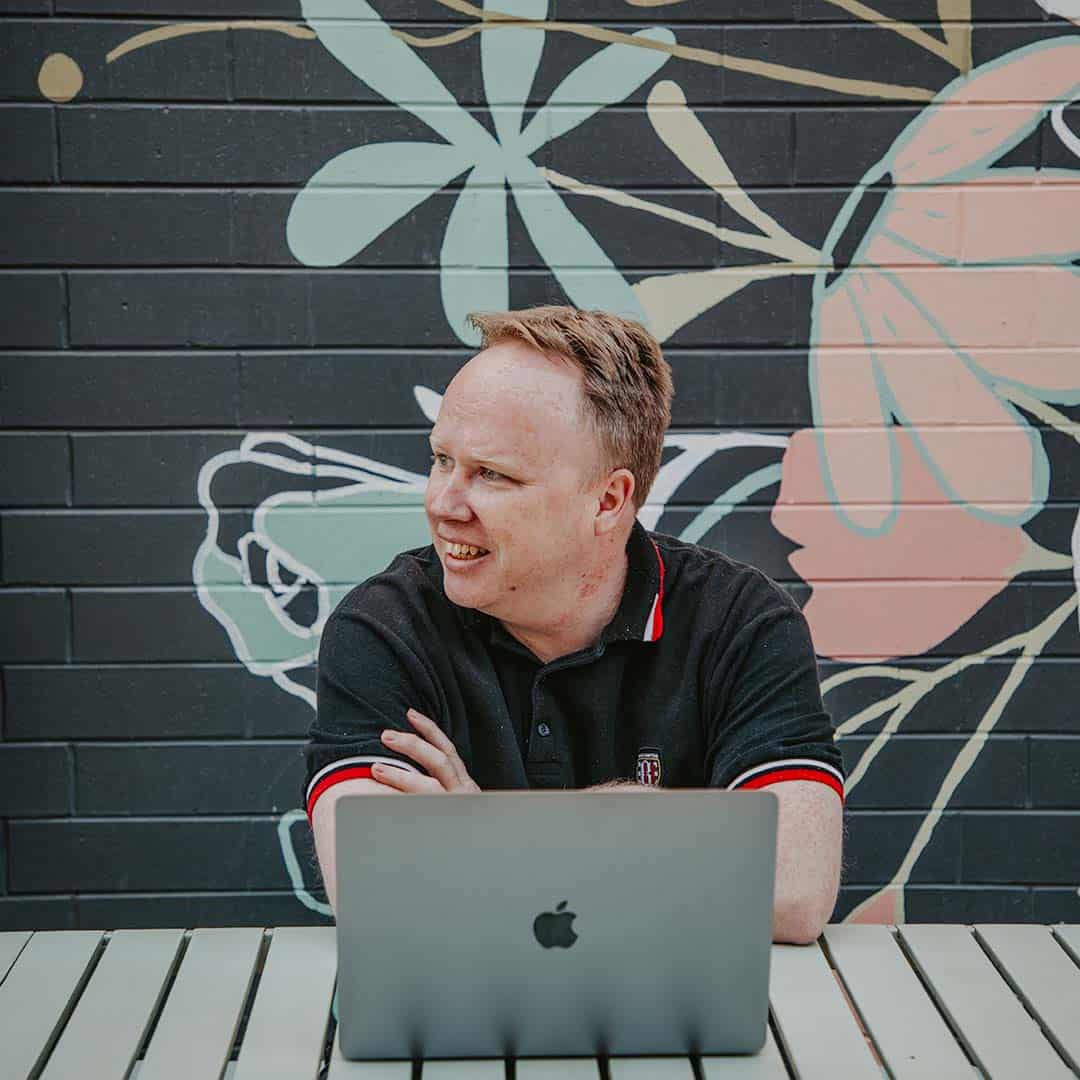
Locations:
640 615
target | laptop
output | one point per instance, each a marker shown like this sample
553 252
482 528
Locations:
554 923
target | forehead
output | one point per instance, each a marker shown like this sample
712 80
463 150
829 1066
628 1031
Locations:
514 400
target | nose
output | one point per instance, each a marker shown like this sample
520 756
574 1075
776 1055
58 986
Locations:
447 496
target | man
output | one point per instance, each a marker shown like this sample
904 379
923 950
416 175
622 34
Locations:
546 640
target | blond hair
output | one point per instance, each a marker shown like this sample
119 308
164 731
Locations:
626 380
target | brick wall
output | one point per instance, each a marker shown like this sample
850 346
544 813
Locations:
189 349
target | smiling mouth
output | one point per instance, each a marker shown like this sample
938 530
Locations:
465 552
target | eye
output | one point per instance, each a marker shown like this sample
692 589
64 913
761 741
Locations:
439 460
491 474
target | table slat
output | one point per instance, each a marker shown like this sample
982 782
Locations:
557 1069
35 995
907 1029
1069 936
813 1020
650 1068
343 1069
287 1028
103 1035
997 1030
474 1069
766 1065
198 1023
11 944
1045 976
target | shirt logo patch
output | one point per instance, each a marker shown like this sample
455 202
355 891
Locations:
648 768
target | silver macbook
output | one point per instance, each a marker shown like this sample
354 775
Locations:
569 923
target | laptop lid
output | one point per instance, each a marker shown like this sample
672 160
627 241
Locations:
569 923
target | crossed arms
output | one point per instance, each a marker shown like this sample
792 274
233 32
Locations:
808 842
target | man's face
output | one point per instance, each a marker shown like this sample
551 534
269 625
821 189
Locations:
511 457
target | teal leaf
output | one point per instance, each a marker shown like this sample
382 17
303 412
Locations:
345 206
584 270
474 252
509 59
607 77
355 33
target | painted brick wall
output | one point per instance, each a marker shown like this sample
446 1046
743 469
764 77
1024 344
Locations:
216 378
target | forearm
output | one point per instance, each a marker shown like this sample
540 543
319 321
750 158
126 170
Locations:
807 860
323 828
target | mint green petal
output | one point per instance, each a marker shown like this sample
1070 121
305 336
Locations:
474 253
344 206
607 77
584 270
355 33
509 59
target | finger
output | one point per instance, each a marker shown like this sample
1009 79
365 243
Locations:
402 780
430 758
437 737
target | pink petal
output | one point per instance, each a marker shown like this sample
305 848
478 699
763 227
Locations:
846 393
1053 374
885 906
948 137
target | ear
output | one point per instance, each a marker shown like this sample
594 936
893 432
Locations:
615 499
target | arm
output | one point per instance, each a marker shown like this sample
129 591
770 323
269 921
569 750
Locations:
808 842
767 728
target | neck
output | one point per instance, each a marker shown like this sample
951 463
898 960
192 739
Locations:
598 592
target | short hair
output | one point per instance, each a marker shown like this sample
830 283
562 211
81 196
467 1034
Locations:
627 381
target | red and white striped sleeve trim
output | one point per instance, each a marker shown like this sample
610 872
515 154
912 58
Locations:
354 768
775 772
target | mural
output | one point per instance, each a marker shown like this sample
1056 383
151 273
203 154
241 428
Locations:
925 516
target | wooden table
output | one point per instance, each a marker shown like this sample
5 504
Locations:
251 1004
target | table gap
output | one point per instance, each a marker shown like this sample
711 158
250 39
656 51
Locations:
30 936
69 1008
1019 995
1074 957
785 1056
249 1000
864 1027
331 1034
932 995
170 979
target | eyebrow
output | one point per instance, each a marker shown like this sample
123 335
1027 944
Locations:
509 465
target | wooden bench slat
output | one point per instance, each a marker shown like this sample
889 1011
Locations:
1069 936
650 1068
199 1021
35 996
907 1029
111 1018
12 943
478 1069
1045 976
557 1069
287 1028
813 1020
766 1065
995 1027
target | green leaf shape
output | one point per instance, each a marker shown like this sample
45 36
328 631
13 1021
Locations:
584 270
606 77
475 251
508 59
355 33
343 207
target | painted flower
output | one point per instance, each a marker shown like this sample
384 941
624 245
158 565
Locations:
359 194
900 592
970 268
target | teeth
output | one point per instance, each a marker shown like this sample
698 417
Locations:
465 551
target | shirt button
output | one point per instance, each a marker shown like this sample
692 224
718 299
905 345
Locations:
544 730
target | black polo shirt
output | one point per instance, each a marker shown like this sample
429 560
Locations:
706 676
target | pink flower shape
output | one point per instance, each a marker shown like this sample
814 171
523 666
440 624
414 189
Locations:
962 288
898 592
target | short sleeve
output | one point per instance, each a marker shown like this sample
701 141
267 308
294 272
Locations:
766 721
367 678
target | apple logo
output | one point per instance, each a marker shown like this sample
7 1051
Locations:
553 929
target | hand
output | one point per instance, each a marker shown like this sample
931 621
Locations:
433 751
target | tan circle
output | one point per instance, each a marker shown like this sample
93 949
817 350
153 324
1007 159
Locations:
60 78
